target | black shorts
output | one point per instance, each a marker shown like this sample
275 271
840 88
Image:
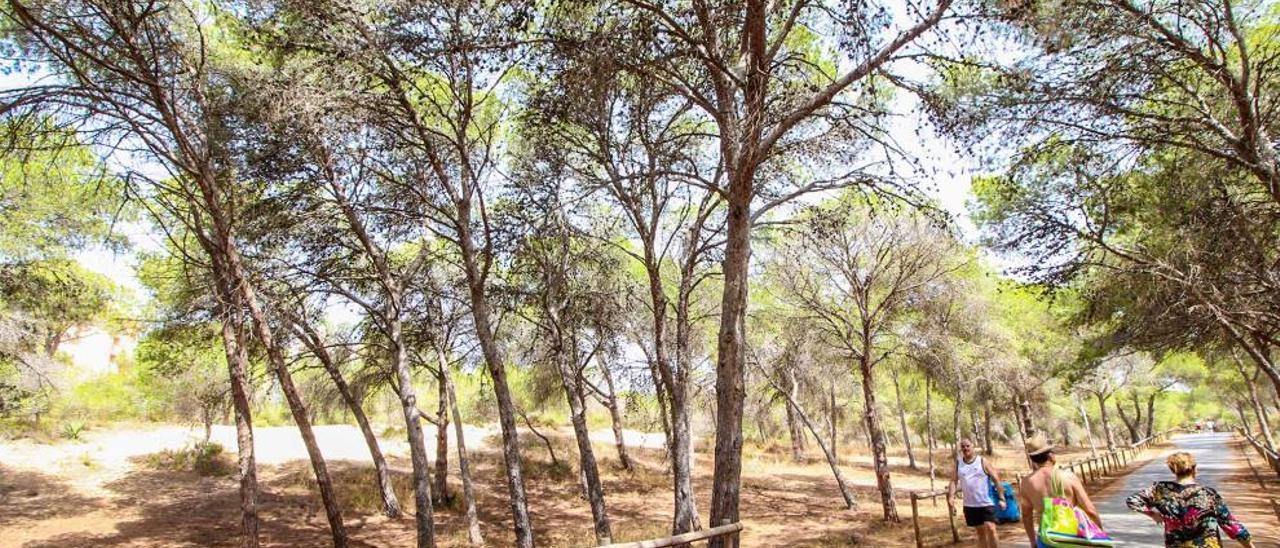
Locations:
975 517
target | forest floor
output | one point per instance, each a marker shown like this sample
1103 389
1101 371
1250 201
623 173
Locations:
105 490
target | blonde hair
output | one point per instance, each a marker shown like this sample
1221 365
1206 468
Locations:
1182 464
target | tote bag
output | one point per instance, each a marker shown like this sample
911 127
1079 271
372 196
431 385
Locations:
1011 512
1062 525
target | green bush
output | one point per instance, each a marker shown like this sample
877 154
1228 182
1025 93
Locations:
72 430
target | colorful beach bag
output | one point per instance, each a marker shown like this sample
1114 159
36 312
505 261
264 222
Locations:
1064 526
1011 512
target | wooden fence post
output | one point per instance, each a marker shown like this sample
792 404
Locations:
915 518
951 517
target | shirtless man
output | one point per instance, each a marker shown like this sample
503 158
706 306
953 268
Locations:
1036 487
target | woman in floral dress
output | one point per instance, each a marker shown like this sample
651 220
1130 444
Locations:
1193 515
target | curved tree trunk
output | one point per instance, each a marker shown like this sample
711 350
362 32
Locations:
262 328
1106 424
390 503
497 366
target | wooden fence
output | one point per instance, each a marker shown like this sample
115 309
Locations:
1272 459
1088 470
728 530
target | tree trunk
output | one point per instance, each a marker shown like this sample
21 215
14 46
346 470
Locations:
833 417
902 418
297 408
975 426
679 440
615 416
1022 431
390 503
1256 402
830 455
497 366
793 422
238 367
1106 424
1088 429
1151 415
1130 424
571 382
1244 419
464 465
413 425
730 358
441 493
986 427
956 432
930 443
879 449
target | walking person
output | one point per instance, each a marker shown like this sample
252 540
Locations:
974 475
1048 481
1193 515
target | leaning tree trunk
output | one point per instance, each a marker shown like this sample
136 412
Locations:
496 364
390 503
1088 429
1244 419
417 447
615 416
902 418
441 491
464 465
1130 424
830 455
572 385
297 408
1106 424
238 367
1256 402
879 449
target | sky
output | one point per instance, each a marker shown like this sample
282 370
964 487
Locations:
948 182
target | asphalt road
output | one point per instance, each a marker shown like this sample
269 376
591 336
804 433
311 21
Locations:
1213 459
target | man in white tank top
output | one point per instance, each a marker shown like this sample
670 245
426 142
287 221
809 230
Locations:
974 476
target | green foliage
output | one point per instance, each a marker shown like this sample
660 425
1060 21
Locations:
72 430
53 195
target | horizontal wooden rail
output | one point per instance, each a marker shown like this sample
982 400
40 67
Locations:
694 536
1272 458
916 497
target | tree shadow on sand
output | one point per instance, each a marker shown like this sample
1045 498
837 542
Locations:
27 496
167 508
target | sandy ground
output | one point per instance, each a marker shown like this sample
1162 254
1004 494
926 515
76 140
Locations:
99 492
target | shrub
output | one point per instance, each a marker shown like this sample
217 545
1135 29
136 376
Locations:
72 430
203 458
